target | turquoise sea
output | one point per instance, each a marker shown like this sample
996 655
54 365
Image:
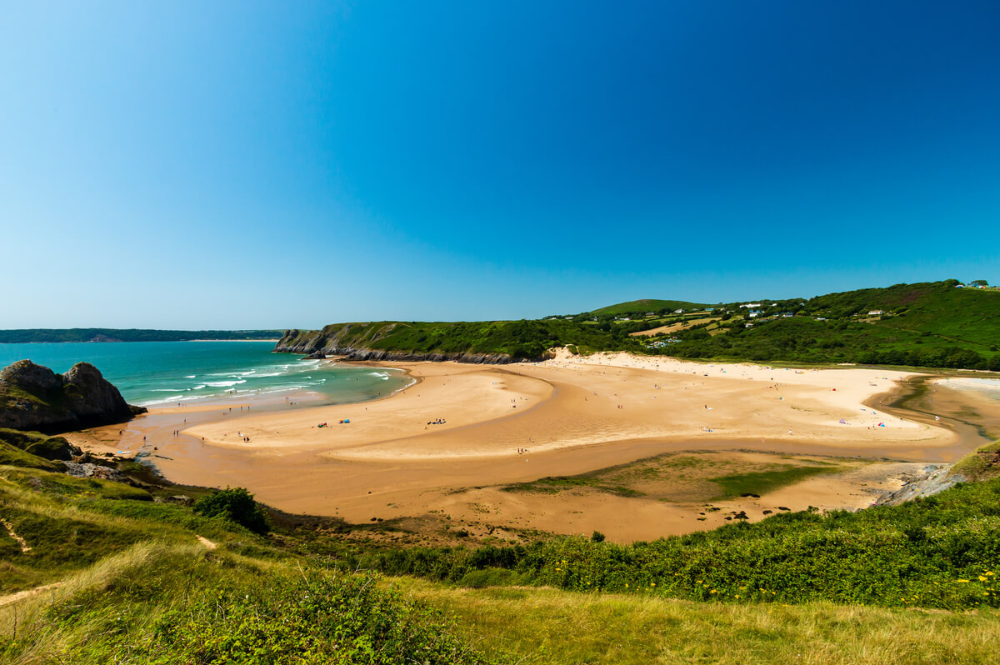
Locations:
161 373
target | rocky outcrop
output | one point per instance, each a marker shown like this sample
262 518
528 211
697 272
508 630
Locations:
34 398
934 480
338 341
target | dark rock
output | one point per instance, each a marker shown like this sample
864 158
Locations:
181 500
35 398
935 479
316 355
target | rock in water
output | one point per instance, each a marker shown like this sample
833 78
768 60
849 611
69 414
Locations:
35 398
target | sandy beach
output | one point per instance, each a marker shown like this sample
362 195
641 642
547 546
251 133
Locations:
450 442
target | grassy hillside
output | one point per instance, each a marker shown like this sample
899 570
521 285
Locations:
920 325
122 571
648 305
923 325
517 339
25 336
135 580
558 627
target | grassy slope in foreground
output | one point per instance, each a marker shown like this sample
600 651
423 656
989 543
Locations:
140 584
563 628
137 586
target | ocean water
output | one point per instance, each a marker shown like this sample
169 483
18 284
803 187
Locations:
161 373
989 387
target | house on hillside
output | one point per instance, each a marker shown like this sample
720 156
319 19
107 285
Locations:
876 312
754 313
678 311
788 315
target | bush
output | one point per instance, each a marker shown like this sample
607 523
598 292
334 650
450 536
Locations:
597 537
236 505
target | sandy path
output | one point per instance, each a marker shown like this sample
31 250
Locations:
21 595
20 541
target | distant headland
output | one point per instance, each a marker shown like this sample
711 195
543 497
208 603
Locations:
55 335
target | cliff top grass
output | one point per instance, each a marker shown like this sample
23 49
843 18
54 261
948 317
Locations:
515 339
136 579
164 585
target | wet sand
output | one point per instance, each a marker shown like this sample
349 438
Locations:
570 417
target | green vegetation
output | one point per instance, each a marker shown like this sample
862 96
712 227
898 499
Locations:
31 335
516 339
14 456
236 505
686 477
135 585
920 325
982 464
559 627
762 482
37 445
940 552
642 307
135 580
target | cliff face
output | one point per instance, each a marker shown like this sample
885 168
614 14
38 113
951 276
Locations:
343 340
35 398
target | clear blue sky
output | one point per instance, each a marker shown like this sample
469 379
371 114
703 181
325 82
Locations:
290 164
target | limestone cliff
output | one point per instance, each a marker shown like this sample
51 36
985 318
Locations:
35 398
397 342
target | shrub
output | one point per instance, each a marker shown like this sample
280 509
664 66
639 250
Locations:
236 505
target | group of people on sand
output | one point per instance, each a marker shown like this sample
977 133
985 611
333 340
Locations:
246 439
439 421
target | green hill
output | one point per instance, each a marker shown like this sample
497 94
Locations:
491 341
934 324
648 305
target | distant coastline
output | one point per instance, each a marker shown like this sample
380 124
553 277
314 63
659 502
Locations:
113 335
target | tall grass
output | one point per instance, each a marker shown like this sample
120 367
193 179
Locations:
563 628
